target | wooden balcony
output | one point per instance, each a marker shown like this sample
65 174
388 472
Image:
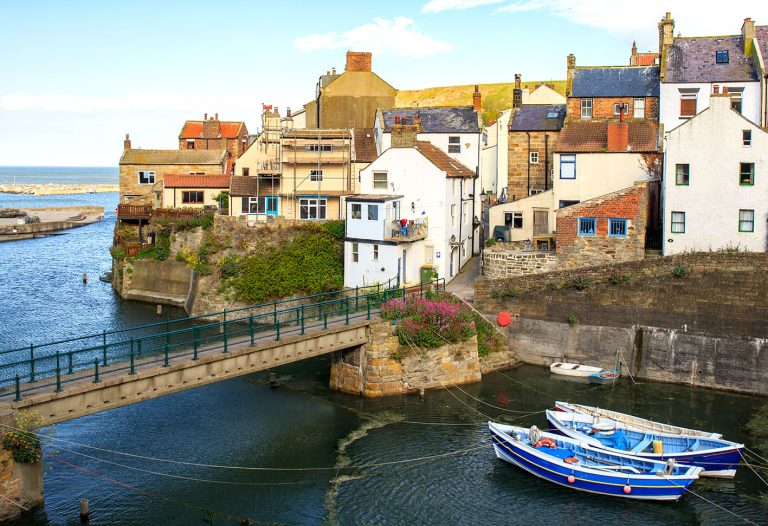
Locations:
126 211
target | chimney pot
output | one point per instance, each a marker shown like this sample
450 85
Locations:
205 116
725 90
715 89
397 119
333 71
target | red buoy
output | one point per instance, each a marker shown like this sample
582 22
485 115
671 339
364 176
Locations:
571 479
627 490
503 318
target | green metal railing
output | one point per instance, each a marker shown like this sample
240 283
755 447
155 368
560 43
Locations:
67 361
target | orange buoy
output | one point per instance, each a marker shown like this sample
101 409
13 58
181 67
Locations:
571 479
627 489
503 318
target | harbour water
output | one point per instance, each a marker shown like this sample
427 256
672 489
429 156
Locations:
323 457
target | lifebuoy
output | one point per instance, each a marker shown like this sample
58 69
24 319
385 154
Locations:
548 442
669 467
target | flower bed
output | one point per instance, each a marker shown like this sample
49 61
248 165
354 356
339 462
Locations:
428 322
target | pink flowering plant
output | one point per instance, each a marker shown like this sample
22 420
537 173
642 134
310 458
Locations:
429 322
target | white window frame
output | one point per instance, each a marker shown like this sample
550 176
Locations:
464 212
318 148
375 253
375 215
356 211
355 252
617 108
380 184
316 175
586 108
150 176
318 204
453 216
517 220
638 104
533 158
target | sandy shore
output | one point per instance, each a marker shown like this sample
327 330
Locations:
51 189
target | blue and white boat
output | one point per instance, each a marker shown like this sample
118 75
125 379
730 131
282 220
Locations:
717 456
573 464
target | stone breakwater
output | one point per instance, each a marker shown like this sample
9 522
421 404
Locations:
55 189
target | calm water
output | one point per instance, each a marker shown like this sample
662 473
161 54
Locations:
243 422
59 174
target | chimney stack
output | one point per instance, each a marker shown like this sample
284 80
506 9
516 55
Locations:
716 89
404 135
288 113
618 135
666 37
205 116
633 56
333 71
359 61
747 35
569 80
217 117
476 100
127 142
517 93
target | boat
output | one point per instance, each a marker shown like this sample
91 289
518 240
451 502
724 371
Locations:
716 456
607 376
634 422
573 369
573 464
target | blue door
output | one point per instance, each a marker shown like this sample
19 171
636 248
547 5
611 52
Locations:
270 207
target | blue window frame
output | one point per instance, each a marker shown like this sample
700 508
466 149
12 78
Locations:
617 228
587 226
721 56
568 166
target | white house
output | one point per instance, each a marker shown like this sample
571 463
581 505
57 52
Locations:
494 157
415 208
715 184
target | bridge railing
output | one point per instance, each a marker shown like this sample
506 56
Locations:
32 368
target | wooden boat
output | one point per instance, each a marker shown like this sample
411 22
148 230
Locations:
634 422
604 377
573 464
573 369
716 456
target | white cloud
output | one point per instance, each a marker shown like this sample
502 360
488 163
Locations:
438 6
398 37
530 5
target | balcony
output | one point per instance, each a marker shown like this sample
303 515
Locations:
403 231
132 212
268 169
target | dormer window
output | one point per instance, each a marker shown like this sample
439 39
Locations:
721 57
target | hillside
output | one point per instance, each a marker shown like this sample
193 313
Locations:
495 97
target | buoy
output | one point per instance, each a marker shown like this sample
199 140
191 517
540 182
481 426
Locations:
503 318
627 490
571 479
85 278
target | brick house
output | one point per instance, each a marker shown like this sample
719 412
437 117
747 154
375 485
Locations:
603 230
213 134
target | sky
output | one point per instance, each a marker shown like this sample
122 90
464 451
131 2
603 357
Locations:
76 76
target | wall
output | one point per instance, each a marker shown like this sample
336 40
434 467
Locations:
669 115
162 282
351 101
542 201
20 485
576 250
172 197
602 107
711 144
598 174
129 178
500 262
518 162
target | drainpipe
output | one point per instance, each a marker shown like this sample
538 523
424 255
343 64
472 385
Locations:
461 214
765 100
317 99
546 161
529 162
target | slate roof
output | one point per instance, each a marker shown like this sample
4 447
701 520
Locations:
195 181
535 117
240 186
365 146
592 137
761 34
225 130
374 198
616 81
435 119
442 160
693 60
139 156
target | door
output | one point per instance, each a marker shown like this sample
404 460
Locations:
270 207
540 222
405 265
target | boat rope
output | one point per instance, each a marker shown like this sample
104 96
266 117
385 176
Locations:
629 367
523 384
710 502
14 503
754 453
527 413
752 469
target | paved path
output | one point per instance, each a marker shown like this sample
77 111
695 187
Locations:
463 284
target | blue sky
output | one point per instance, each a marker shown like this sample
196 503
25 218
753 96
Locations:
76 76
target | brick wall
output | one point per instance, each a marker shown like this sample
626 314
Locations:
235 147
602 107
359 61
574 250
518 162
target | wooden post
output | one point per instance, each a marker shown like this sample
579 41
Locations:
159 310
85 512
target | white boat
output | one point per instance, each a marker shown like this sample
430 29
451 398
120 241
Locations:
573 369
635 422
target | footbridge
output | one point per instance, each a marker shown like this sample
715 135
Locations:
66 379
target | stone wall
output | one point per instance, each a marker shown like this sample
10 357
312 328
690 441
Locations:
518 162
129 179
501 262
160 282
20 485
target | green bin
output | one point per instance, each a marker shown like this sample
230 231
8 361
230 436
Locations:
427 273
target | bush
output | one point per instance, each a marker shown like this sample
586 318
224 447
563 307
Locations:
572 320
509 292
229 267
679 271
553 285
22 442
490 242
118 253
429 323
488 339
579 283
335 228
615 278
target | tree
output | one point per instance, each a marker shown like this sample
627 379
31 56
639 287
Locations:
651 164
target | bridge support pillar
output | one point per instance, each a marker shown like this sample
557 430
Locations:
21 485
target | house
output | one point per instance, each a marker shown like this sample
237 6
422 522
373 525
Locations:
423 202
213 134
194 191
142 171
692 66
715 184
649 58
350 99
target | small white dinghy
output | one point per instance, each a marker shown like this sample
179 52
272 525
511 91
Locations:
573 369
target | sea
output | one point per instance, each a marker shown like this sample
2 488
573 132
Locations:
242 452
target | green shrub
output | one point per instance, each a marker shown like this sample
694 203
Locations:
509 292
490 242
615 278
553 285
579 283
572 320
488 340
23 442
222 200
118 253
679 271
229 266
335 228
157 253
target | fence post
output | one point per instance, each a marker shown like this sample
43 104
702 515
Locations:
325 320
167 332
346 311
165 362
225 338
69 369
250 327
133 360
302 320
196 332
104 347
421 290
356 297
277 330
18 388
58 373
368 306
31 362
138 350
274 312
96 368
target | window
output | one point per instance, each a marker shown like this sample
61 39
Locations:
565 203
318 148
192 197
260 205
464 212
638 109
586 108
375 252
678 222
246 172
190 144
688 104
721 57
534 157
454 144
453 215
380 180
746 137
355 252
568 166
746 220
315 175
373 212
747 174
357 211
312 208
736 96
513 219
196 173
682 174
617 108
586 226
146 177
464 249
617 228
534 191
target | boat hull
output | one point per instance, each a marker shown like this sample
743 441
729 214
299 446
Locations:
604 377
573 369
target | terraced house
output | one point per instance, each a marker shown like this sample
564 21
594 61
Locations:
213 134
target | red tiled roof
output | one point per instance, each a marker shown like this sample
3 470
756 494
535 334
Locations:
196 181
365 145
646 59
592 137
226 130
442 160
